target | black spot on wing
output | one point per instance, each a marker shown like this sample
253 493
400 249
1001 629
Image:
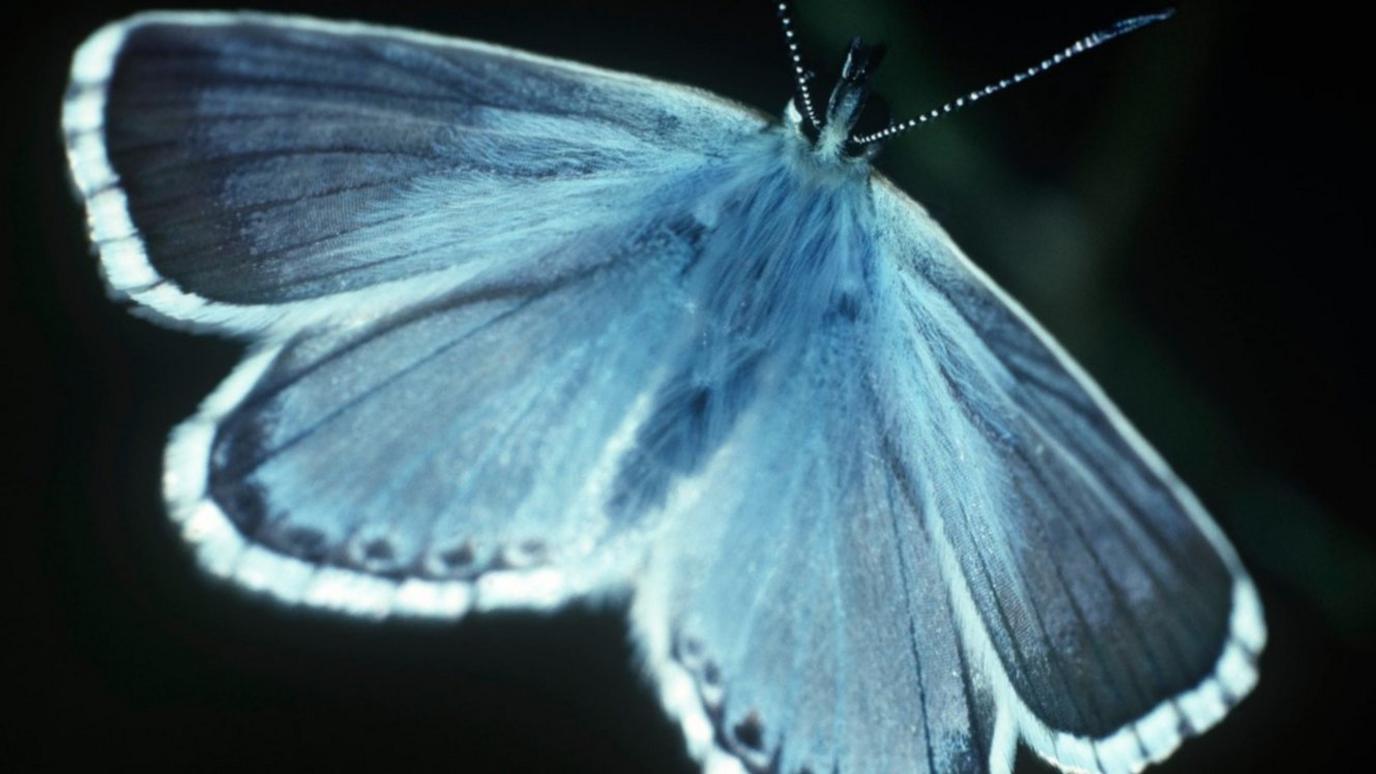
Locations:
750 731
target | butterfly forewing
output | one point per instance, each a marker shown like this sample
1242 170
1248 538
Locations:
240 166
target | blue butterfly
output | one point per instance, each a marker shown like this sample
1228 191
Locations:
525 332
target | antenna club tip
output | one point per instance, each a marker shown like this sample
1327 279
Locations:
1137 22
1084 44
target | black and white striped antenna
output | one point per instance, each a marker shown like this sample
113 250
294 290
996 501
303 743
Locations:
1078 47
801 75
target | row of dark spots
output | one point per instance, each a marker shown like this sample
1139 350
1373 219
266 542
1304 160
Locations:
747 736
380 556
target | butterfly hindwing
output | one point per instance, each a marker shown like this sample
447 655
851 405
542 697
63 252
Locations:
239 167
799 595
419 451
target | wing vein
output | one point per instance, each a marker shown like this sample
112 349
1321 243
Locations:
905 578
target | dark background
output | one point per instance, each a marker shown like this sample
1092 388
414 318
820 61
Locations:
1179 208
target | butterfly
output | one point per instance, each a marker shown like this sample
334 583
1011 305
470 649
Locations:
524 332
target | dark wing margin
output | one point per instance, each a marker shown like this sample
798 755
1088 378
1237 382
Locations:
238 167
1114 617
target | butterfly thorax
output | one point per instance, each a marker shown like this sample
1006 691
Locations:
785 256
782 271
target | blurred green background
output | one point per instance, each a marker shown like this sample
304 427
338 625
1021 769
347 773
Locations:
1180 208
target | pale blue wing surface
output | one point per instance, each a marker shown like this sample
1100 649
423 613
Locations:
1120 616
399 462
238 166
799 594
925 533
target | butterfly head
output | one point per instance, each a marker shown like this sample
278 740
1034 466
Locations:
830 134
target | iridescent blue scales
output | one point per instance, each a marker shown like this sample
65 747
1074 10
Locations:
524 332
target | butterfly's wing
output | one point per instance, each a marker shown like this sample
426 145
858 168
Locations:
451 259
239 169
1115 613
457 452
794 613
966 545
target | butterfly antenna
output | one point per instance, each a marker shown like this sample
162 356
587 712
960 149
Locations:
1078 47
801 75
